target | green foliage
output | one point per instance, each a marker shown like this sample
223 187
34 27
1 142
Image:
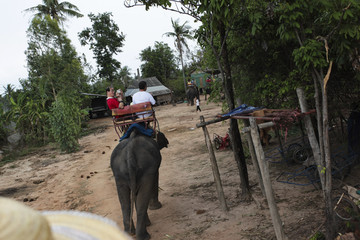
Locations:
30 116
318 236
217 95
57 10
177 86
54 69
181 33
159 62
3 131
53 65
311 54
274 46
105 42
65 121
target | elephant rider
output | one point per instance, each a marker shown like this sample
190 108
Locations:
111 100
143 96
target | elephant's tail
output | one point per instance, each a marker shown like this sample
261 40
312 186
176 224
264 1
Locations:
131 162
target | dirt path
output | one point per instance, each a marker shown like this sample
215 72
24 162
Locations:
83 181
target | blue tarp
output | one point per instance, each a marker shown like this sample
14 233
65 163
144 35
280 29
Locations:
140 127
241 110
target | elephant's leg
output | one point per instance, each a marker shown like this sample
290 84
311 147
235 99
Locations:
154 200
124 198
147 222
142 202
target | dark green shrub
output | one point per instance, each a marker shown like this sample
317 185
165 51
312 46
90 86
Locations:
65 123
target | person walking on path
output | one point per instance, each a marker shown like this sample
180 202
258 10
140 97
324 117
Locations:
197 104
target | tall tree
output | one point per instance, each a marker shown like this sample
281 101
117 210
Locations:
54 71
105 41
53 64
181 34
57 10
125 76
159 62
217 18
326 33
9 89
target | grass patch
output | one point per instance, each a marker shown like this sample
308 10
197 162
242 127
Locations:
16 154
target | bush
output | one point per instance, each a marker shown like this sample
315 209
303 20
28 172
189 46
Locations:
65 123
177 86
3 131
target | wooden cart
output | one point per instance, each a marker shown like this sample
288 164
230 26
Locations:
136 113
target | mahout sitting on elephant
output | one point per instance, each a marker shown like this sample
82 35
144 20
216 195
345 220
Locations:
191 93
135 163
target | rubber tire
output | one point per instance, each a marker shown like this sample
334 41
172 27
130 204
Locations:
300 155
346 209
217 143
290 151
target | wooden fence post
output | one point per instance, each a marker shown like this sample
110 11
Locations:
255 162
214 167
279 232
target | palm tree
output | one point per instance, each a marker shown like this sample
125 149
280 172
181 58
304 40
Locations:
56 10
125 76
9 89
181 33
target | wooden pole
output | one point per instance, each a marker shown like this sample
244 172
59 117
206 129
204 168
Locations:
260 126
255 162
279 232
214 168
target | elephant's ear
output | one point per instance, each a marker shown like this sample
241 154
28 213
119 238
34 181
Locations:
161 140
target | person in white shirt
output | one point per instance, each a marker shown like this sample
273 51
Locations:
197 104
143 96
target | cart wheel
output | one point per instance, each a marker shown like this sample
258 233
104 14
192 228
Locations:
290 151
300 155
344 208
217 143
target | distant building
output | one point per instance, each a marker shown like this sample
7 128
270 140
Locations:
200 78
161 94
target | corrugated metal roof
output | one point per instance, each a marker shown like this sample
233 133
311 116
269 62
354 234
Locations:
154 86
94 95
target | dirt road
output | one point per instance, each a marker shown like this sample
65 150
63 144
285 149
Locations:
49 180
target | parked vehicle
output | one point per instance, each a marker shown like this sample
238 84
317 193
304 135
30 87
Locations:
98 105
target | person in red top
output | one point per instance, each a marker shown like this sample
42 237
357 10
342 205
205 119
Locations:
111 100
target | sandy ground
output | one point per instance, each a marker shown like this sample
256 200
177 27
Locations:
50 180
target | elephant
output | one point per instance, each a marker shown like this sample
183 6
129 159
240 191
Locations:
135 163
191 93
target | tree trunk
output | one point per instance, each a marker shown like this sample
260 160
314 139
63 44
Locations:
183 71
317 80
234 128
325 153
52 84
311 135
330 221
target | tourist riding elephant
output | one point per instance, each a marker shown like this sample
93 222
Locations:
135 163
191 93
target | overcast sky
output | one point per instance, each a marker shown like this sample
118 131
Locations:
141 29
